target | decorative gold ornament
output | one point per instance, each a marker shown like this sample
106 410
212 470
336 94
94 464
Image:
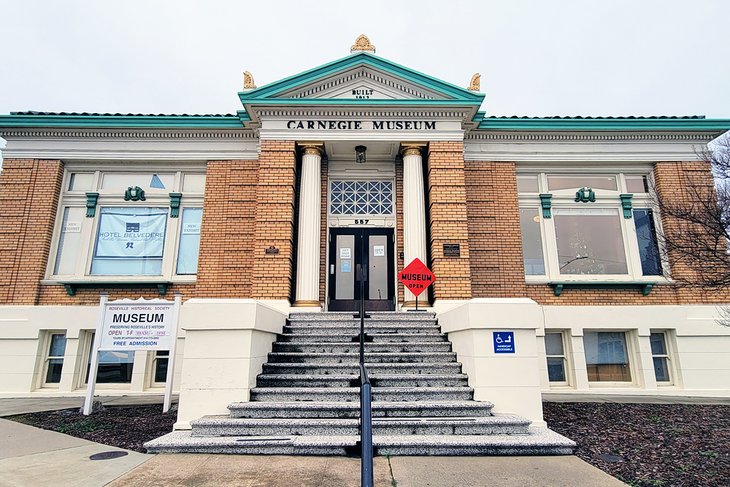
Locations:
474 85
248 83
362 43
410 150
313 149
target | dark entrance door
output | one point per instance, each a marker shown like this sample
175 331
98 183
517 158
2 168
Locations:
371 248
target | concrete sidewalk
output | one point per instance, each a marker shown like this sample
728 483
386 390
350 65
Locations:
21 405
34 457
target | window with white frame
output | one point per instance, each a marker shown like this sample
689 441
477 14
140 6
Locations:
159 366
53 365
128 223
584 227
556 358
660 357
607 356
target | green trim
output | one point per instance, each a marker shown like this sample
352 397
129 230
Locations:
644 287
546 203
72 287
124 121
175 204
626 205
627 124
269 92
91 201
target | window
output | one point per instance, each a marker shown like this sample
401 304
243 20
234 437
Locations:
114 367
556 361
361 197
147 236
607 357
583 228
159 370
660 356
54 359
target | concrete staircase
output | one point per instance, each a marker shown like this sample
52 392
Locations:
307 399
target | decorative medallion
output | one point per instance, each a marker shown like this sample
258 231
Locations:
475 82
362 43
134 193
585 195
248 83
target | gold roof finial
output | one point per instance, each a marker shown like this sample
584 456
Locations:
362 43
248 83
474 85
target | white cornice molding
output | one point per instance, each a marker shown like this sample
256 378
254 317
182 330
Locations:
130 145
363 113
584 147
589 137
127 133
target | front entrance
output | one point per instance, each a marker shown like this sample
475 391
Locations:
352 249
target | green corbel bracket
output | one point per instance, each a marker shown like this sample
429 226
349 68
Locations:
626 204
91 200
175 204
546 200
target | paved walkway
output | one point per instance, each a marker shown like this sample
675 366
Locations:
34 457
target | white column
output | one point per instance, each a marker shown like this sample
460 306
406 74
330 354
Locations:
414 213
308 246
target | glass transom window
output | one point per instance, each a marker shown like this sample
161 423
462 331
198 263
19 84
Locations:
361 197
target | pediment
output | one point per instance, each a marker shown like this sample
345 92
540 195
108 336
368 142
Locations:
361 78
364 83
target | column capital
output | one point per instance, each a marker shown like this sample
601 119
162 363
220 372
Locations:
412 148
313 148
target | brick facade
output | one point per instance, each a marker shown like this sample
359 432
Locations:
226 257
496 246
448 222
29 190
494 236
272 273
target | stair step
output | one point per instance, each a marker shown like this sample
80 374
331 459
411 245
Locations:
354 337
354 347
373 368
373 357
371 316
479 425
539 441
352 394
353 380
350 330
300 409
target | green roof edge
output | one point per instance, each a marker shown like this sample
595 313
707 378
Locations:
123 121
642 124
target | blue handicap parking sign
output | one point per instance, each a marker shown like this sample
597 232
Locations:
504 341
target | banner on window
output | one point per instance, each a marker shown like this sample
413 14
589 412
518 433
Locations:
131 234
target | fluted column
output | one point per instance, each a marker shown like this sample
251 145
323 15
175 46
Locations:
414 212
308 243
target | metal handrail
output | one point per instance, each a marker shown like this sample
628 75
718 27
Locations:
366 394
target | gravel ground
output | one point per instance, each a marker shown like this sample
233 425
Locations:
646 445
654 445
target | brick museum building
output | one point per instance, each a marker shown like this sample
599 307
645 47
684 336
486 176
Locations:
543 230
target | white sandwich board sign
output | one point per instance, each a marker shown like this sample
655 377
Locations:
130 325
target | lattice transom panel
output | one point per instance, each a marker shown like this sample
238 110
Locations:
361 197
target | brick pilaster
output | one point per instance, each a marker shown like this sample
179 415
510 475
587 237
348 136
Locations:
29 191
447 211
272 273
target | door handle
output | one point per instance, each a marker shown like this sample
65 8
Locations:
332 268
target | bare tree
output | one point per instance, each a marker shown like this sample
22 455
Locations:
696 234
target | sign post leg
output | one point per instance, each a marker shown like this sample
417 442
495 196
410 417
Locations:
171 356
89 401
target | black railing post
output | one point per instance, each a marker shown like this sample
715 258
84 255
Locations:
366 415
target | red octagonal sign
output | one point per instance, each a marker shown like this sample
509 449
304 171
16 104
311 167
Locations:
416 277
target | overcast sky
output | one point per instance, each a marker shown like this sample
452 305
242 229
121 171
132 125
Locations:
540 57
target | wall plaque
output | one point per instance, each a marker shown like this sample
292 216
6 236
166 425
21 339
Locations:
452 250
